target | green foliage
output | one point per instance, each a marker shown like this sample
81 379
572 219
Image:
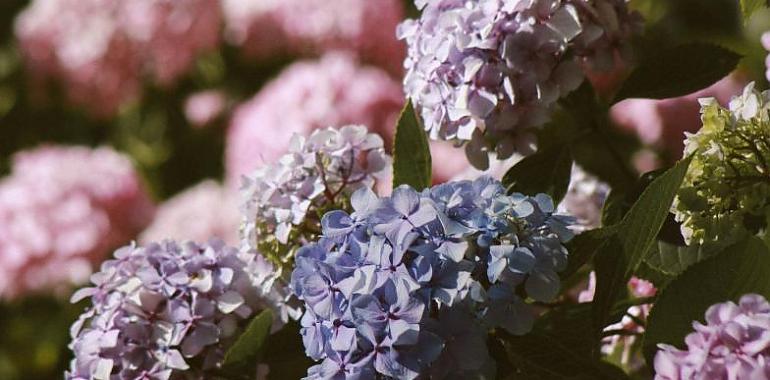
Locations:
285 354
249 346
583 247
672 259
411 154
736 270
34 333
619 256
678 71
547 171
748 7
559 347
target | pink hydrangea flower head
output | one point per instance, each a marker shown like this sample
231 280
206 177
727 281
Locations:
100 51
734 343
199 213
300 27
61 210
307 96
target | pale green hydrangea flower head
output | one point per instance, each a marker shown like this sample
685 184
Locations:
726 190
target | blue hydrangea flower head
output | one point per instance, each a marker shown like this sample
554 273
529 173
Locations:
392 288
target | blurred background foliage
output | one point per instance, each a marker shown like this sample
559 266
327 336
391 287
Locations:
172 155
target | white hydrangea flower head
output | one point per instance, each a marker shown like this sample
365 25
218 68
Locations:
727 186
283 203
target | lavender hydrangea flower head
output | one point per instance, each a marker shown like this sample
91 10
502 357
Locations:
726 183
167 308
419 277
733 344
486 72
283 203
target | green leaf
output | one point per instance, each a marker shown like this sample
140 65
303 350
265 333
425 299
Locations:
285 355
748 7
559 347
737 270
619 257
582 248
411 154
248 346
547 171
678 71
672 259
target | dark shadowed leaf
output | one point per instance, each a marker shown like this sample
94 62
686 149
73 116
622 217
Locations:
678 71
737 270
619 257
547 171
248 347
559 347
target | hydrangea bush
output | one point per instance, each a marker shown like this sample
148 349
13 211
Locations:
353 257
386 286
61 212
100 51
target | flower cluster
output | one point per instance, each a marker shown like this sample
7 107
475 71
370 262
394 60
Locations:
204 211
62 210
100 50
607 29
307 96
167 308
733 344
584 199
417 278
283 203
488 71
298 27
727 185
625 341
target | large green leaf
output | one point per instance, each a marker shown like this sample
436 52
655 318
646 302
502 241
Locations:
246 349
285 354
619 257
737 270
547 171
672 259
582 248
678 71
411 154
559 347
